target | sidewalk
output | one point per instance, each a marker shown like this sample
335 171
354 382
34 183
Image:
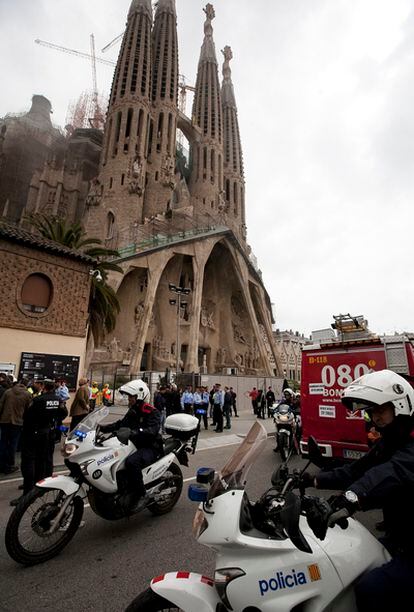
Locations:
206 440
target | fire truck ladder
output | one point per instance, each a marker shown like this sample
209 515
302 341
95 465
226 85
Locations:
396 354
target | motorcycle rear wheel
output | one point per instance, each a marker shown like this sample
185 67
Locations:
148 601
26 538
173 477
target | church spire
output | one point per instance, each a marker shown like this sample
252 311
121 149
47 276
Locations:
233 157
206 183
163 128
121 181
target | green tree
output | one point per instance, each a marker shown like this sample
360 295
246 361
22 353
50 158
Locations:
103 302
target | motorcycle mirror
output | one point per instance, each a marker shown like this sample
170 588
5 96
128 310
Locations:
314 453
279 475
290 520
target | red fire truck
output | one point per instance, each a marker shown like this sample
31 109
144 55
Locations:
329 365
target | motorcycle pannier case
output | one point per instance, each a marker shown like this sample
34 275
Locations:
181 426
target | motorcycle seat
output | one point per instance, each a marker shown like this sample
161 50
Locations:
170 445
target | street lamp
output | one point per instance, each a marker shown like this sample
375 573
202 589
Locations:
180 292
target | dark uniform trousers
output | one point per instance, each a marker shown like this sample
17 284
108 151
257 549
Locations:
134 464
36 457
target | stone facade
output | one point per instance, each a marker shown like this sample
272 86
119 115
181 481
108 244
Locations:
185 228
32 320
69 277
289 346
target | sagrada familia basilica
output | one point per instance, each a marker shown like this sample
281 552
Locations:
178 220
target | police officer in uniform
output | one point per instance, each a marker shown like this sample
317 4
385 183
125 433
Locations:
141 425
38 437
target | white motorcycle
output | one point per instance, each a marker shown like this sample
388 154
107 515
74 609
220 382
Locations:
286 424
47 518
276 554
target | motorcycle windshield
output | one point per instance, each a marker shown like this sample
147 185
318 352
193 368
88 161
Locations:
233 475
90 422
283 409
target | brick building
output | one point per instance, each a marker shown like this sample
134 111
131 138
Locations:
44 297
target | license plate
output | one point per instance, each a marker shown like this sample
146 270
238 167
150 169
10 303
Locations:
353 454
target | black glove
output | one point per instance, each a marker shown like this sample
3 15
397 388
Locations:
342 509
307 480
317 511
123 434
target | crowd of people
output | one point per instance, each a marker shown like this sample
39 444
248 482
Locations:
217 404
30 417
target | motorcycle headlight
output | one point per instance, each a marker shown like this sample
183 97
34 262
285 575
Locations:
200 523
69 449
222 579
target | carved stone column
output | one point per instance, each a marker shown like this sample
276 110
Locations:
156 267
199 263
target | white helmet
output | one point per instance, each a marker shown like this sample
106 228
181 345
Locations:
289 391
136 388
378 388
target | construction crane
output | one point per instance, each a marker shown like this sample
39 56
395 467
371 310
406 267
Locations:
113 42
85 109
102 60
182 104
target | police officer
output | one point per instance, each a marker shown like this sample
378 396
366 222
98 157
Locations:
141 425
38 437
382 479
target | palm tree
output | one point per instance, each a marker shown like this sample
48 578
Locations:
103 302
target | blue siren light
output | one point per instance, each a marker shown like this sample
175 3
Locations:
205 475
80 434
197 493
63 428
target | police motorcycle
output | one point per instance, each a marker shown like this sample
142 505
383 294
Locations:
286 425
48 517
275 554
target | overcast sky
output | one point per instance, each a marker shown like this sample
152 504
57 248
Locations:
325 98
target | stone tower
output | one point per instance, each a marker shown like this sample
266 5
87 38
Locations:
206 183
163 124
117 196
233 157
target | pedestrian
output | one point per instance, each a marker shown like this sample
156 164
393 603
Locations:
94 396
175 399
80 405
106 395
13 404
211 404
227 407
270 400
381 479
199 408
38 437
160 405
62 393
205 402
253 396
261 404
234 402
4 383
187 400
218 402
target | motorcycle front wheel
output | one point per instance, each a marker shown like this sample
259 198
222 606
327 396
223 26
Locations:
27 539
148 601
172 479
283 445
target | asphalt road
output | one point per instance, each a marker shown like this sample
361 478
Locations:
108 563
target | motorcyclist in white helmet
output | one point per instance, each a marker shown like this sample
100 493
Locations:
383 479
141 425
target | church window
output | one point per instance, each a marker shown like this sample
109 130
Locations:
160 130
108 138
227 190
37 293
150 132
170 133
220 177
117 132
212 166
122 179
235 195
156 176
111 182
140 124
110 225
129 122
